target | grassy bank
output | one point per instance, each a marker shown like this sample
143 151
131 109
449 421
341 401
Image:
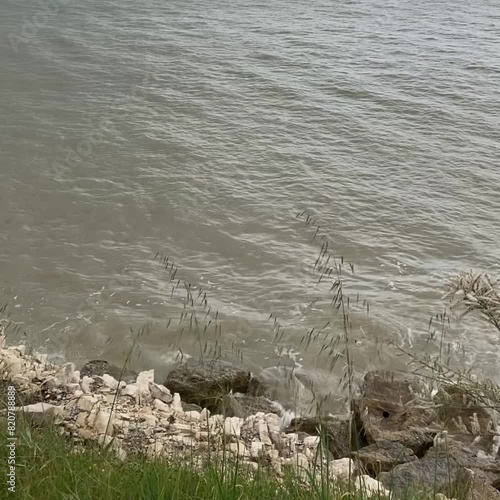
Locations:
49 467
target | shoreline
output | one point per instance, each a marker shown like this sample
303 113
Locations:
140 417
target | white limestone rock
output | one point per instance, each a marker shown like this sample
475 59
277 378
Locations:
192 416
291 440
216 424
239 449
86 383
110 382
121 453
232 426
12 363
342 468
21 349
176 403
72 388
311 441
131 390
256 449
161 406
86 402
300 463
105 440
43 412
81 419
370 486
92 416
263 432
160 392
143 380
52 383
101 422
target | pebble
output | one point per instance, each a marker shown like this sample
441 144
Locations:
145 415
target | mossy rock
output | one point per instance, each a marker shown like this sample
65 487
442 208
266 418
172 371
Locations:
205 384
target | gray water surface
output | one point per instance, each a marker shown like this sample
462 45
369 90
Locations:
200 129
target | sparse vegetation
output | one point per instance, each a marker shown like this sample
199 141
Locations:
49 466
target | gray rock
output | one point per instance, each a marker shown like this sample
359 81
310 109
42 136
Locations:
469 452
206 383
460 411
160 392
390 409
383 456
431 474
99 367
190 407
479 490
443 473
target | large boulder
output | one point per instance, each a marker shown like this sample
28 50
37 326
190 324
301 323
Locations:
460 411
479 490
205 384
393 407
100 367
337 431
383 456
454 465
428 474
476 454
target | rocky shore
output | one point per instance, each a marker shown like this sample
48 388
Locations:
402 432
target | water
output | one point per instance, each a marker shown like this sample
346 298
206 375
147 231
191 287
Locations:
130 128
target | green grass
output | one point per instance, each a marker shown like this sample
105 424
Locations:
48 467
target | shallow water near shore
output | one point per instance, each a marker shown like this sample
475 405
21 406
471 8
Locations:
129 129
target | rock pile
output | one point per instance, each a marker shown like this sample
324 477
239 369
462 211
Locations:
396 439
142 416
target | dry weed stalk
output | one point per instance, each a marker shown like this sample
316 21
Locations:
475 292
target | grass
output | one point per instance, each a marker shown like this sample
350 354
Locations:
48 466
